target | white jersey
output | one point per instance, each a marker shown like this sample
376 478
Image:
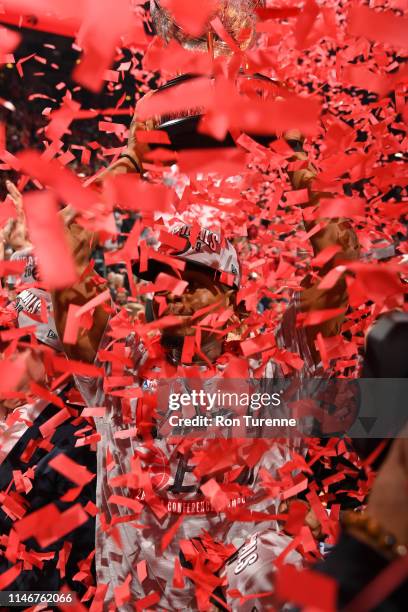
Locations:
145 487
34 305
22 418
30 273
252 571
34 308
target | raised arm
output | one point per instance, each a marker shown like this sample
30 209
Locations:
14 232
131 158
337 232
82 243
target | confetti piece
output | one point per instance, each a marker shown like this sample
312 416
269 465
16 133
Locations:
78 474
97 603
363 78
305 22
219 500
381 26
230 111
152 136
277 13
259 344
49 426
102 26
133 504
12 373
122 592
188 349
8 42
312 590
192 18
72 325
94 412
57 268
11 268
228 162
341 207
49 524
170 533
9 576
176 99
66 185
316 317
76 367
222 33
63 558
147 602
132 193
141 569
174 58
325 255
301 196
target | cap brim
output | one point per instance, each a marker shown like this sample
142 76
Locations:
184 135
183 132
154 268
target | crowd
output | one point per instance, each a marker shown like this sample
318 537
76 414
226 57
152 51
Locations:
21 111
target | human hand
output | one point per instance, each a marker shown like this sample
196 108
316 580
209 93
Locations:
14 231
310 519
29 364
135 148
338 232
388 502
15 196
301 178
81 242
134 309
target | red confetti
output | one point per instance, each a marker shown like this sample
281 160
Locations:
312 589
8 577
71 470
191 17
49 524
50 242
384 26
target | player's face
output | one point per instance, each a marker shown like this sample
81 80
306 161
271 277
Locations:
202 292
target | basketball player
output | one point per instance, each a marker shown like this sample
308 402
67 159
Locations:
157 474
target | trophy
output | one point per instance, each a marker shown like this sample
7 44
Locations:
239 19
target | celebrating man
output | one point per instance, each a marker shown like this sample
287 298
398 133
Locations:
157 492
150 484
